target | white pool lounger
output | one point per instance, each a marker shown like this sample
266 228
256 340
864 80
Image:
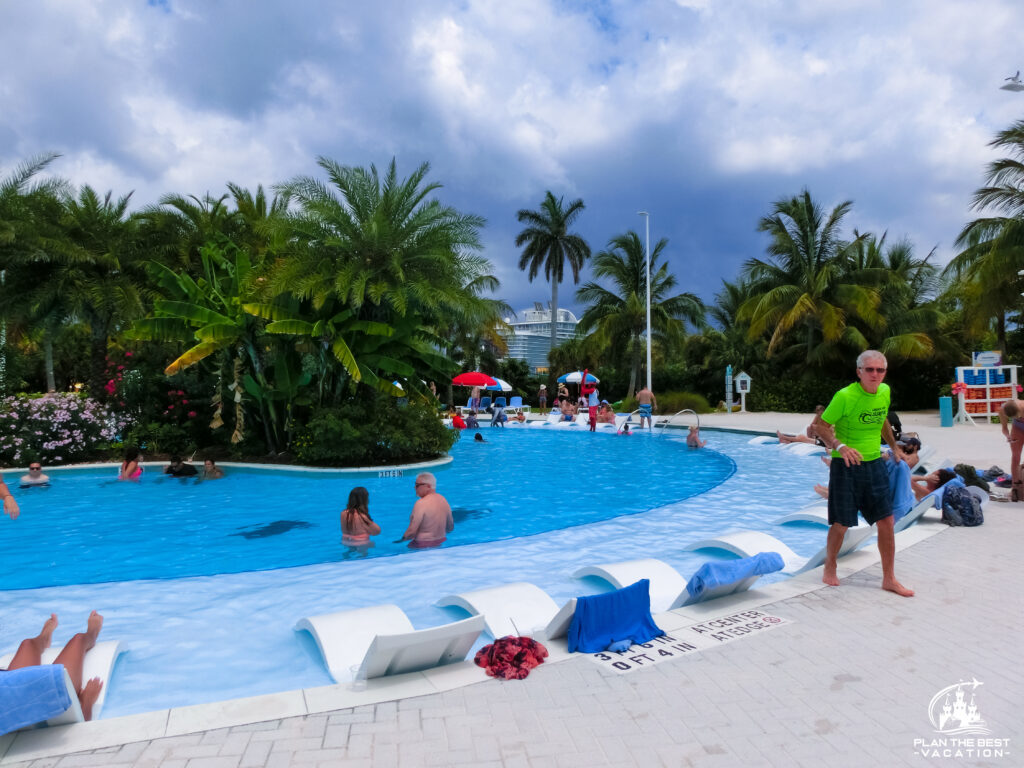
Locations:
812 513
510 609
668 589
99 662
382 640
747 543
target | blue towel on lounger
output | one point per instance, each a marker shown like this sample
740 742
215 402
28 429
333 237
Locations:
601 620
711 575
31 695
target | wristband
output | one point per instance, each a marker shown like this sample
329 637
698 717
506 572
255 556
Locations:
840 447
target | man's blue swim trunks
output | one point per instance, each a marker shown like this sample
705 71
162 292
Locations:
645 409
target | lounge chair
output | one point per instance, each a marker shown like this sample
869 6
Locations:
485 403
516 404
500 401
666 581
98 662
382 641
816 512
747 543
668 588
763 440
915 514
519 608
806 449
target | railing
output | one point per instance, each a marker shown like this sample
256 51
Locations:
664 424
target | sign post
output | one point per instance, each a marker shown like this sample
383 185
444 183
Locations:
728 389
743 387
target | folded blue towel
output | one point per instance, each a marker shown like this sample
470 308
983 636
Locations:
601 620
900 492
711 575
31 695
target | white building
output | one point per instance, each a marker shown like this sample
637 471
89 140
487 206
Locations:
530 338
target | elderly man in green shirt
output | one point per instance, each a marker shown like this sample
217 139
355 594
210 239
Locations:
853 427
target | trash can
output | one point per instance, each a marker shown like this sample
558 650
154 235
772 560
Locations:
945 411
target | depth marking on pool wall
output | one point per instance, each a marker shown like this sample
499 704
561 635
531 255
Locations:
389 473
688 640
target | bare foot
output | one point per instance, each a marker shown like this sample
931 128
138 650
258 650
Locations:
47 634
88 696
93 625
899 589
829 577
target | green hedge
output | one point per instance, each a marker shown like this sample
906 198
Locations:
671 402
374 430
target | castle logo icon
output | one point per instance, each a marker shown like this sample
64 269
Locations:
953 711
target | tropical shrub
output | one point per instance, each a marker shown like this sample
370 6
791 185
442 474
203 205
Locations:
373 430
671 402
55 428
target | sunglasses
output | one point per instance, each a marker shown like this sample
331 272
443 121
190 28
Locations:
869 369
35 468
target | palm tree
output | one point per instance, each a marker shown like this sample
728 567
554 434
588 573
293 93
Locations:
993 246
548 243
802 284
618 318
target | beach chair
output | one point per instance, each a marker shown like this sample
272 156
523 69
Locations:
514 609
485 403
516 404
382 641
99 662
763 440
812 513
499 401
669 590
747 543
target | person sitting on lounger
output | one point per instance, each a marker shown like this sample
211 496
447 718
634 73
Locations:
520 417
605 415
925 485
356 524
568 414
807 436
431 519
911 447
30 654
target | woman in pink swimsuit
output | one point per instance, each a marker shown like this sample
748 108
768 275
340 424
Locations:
130 468
356 524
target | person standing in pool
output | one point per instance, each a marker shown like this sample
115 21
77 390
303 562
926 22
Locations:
10 505
431 519
131 468
356 524
211 471
853 426
35 476
647 402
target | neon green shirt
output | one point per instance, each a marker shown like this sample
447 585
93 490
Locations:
858 418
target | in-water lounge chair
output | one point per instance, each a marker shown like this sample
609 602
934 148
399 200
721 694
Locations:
747 543
382 641
669 590
98 662
763 440
515 609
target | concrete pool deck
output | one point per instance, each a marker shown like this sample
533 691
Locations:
848 682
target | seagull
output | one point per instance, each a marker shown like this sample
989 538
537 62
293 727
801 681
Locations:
1012 83
1015 78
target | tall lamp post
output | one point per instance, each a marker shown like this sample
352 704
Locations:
647 226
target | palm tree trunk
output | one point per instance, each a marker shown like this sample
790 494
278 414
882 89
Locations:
98 360
634 369
51 382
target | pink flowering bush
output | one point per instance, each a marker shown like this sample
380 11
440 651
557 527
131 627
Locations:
55 428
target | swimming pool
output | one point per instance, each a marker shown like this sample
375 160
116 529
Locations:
208 638
519 483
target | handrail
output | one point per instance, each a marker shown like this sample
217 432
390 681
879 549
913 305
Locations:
664 424
627 420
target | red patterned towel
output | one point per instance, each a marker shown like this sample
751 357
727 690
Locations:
511 658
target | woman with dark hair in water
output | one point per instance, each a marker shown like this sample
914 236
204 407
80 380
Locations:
130 467
356 524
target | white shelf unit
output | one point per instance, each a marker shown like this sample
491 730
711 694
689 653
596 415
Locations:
987 389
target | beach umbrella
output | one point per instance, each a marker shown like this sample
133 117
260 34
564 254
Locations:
473 379
576 377
499 385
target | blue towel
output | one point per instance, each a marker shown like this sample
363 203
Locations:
601 620
937 494
31 695
900 492
711 575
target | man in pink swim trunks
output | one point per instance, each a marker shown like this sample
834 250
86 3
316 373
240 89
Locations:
431 520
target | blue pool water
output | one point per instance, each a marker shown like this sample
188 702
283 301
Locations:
519 483
207 638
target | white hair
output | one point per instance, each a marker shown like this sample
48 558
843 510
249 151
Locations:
427 478
870 354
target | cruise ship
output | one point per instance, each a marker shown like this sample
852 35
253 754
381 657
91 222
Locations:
530 336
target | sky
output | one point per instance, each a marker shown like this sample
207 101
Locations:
703 113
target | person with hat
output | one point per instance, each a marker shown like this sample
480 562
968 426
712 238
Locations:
542 396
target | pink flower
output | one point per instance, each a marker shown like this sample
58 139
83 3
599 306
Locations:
170 407
181 392
184 402
191 414
127 354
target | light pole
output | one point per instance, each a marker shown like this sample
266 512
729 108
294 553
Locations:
647 226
